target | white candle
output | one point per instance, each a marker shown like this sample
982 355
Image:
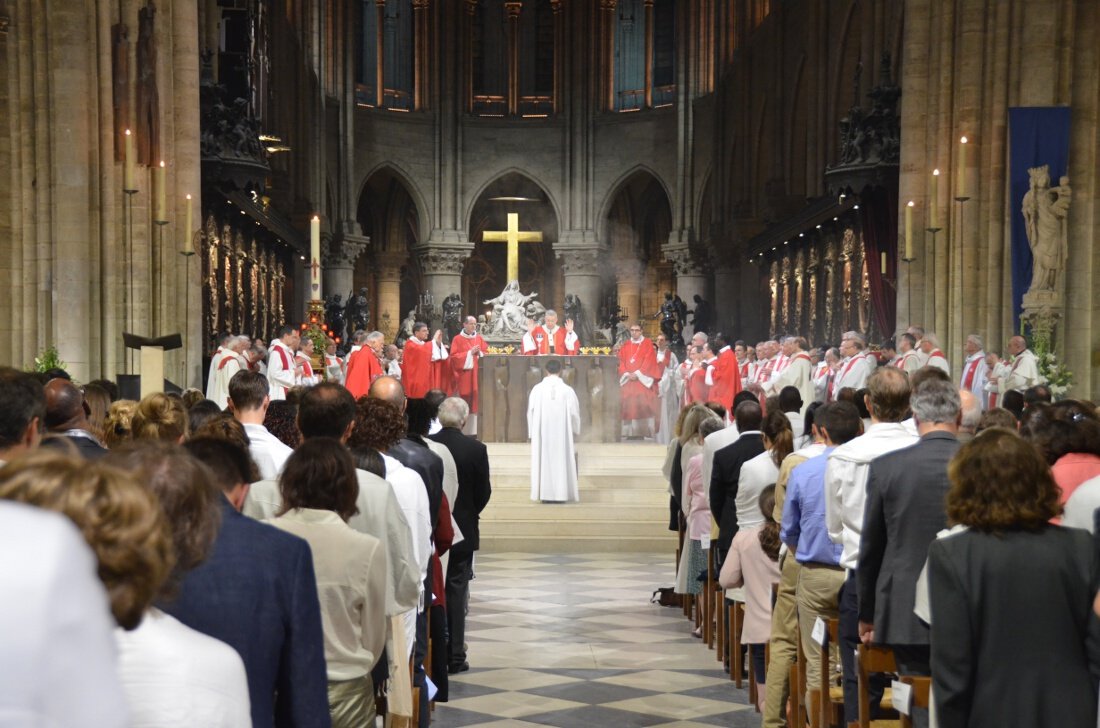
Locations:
961 192
188 247
883 269
159 180
909 230
315 256
128 164
934 199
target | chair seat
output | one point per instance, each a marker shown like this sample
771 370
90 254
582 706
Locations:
836 694
887 702
886 724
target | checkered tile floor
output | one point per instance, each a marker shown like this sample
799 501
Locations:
572 640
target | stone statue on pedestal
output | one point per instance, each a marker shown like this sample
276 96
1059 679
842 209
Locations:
510 311
574 310
406 331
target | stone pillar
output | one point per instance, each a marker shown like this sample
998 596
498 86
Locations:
726 295
388 265
629 274
512 9
690 279
582 279
338 256
443 271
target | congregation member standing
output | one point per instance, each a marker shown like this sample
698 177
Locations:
904 512
249 398
726 471
553 424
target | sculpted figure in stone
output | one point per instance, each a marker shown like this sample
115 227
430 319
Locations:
1045 209
575 311
509 311
334 315
357 311
668 315
452 315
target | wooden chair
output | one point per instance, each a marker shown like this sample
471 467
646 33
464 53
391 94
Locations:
736 618
872 659
922 693
831 695
707 600
797 714
721 637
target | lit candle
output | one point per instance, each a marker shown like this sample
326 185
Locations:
909 230
933 199
128 165
961 192
159 179
188 246
315 256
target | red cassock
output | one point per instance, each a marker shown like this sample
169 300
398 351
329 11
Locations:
696 389
442 376
639 402
416 368
363 369
727 379
465 380
559 336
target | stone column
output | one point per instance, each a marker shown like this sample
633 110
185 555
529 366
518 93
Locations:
388 266
443 271
512 9
338 256
726 294
581 267
629 278
690 279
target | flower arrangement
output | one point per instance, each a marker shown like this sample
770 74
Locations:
48 359
1055 374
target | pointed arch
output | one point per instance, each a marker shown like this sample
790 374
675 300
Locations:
424 222
616 187
476 196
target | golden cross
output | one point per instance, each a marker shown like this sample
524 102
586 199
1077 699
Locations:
513 237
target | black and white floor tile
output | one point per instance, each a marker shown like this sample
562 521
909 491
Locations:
572 640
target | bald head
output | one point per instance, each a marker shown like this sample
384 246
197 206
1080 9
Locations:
389 390
1016 345
64 406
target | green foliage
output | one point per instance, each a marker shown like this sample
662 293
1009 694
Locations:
48 359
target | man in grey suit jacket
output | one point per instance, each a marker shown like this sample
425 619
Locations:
904 512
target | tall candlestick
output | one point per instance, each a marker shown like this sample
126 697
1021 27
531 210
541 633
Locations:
315 256
961 185
909 230
159 180
128 164
933 200
188 231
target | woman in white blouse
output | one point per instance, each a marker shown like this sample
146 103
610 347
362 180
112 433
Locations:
319 489
760 472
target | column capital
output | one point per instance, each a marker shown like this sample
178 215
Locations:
686 261
470 6
513 8
421 4
580 261
342 250
436 261
608 4
555 6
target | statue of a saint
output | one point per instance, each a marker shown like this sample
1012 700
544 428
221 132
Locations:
334 315
509 311
1045 209
668 316
452 315
357 311
406 331
574 311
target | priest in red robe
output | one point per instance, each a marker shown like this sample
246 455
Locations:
365 365
417 360
553 339
724 377
639 375
466 350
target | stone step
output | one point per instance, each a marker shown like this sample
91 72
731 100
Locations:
521 493
536 528
507 511
553 544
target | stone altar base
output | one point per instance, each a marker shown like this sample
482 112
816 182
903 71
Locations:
505 381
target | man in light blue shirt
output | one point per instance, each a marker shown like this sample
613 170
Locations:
805 532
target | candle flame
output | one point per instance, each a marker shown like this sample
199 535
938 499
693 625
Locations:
162 163
127 132
936 172
188 197
963 140
910 203
317 218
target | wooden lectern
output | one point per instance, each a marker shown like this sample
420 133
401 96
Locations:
151 369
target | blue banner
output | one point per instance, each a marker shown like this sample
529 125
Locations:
1037 135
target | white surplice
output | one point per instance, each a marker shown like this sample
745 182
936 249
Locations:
553 421
670 391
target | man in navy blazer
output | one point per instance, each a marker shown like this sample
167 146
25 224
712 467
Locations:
726 471
257 592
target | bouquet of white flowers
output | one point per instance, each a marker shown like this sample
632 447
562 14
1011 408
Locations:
1054 374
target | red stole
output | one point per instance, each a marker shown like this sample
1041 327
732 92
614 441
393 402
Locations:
971 372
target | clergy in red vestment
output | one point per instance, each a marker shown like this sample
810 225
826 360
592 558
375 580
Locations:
557 340
724 377
466 349
639 375
365 365
696 390
417 359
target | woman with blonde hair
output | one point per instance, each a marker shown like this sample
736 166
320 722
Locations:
691 448
99 402
117 427
160 417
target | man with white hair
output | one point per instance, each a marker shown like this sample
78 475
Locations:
769 354
797 373
917 332
857 364
699 338
365 365
934 356
974 369
825 373
223 346
1022 373
231 362
557 340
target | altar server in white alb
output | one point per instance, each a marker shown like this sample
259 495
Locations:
934 356
282 371
232 361
553 422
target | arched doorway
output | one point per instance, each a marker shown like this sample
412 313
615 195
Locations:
639 219
388 214
484 274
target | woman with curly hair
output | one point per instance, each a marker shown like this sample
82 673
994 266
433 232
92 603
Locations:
1014 638
142 537
118 427
160 417
753 563
319 490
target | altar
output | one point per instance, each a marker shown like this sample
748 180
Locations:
505 381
